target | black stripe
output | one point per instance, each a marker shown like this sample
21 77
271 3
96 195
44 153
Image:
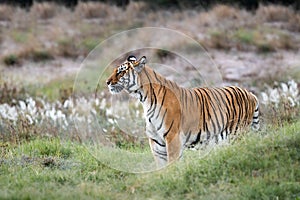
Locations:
214 111
162 145
237 97
216 94
162 120
222 135
145 97
152 93
181 96
233 107
241 102
172 84
188 137
227 103
134 83
208 104
197 139
162 103
203 110
160 83
185 99
207 132
162 153
166 133
191 94
162 156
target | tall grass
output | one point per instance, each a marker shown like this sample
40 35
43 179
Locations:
6 12
44 10
274 13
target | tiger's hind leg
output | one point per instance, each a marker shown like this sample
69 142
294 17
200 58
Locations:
159 152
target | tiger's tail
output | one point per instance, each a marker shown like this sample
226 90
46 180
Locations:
255 121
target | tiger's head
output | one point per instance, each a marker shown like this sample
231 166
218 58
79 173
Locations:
125 76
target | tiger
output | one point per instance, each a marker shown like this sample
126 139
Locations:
178 117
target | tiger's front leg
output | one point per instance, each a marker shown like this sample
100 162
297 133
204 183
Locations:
174 146
159 152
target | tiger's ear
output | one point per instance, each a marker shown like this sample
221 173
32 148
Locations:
131 58
140 64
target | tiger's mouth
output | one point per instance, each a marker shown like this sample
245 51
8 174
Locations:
115 89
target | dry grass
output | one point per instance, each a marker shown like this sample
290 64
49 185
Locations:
274 13
225 12
66 48
219 40
286 42
294 23
136 9
6 13
212 18
74 33
44 10
90 10
35 53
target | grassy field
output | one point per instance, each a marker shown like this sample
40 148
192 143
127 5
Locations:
262 165
48 114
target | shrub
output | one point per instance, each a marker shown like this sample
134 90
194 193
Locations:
67 48
285 41
225 12
41 55
44 10
273 13
294 23
219 40
264 47
91 10
163 54
9 94
11 60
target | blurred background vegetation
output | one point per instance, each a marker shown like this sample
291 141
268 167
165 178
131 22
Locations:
181 4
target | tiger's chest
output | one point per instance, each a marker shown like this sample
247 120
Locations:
155 126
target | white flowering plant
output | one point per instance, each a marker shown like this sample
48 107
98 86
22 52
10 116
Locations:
281 102
85 118
82 119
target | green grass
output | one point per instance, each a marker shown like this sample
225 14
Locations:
57 89
20 36
245 36
262 165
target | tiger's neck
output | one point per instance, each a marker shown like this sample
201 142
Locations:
153 87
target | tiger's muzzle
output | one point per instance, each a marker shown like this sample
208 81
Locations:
114 88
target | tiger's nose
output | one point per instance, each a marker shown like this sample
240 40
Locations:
108 81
